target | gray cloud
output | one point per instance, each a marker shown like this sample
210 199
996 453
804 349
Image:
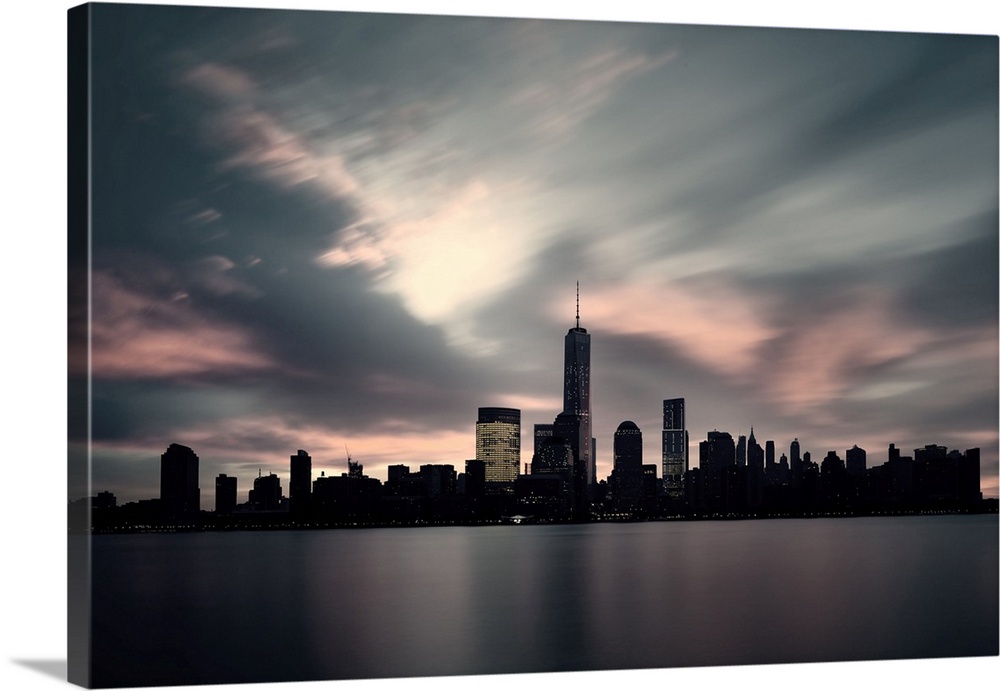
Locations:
820 205
956 286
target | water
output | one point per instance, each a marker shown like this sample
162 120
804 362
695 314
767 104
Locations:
337 604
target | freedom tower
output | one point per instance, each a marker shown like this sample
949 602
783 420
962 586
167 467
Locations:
576 402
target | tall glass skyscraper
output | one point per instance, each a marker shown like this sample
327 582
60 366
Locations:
675 447
498 443
576 391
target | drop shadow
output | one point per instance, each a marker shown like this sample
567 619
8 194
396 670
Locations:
50 668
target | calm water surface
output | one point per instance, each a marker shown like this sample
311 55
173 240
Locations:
298 605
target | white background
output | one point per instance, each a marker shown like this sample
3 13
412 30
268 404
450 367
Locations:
32 484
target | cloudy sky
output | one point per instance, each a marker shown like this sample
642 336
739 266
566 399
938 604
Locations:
332 231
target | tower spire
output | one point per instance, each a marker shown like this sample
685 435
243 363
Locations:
578 304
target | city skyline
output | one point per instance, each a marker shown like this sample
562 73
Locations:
734 479
675 491
314 251
497 445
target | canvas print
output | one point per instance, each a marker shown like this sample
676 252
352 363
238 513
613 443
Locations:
419 346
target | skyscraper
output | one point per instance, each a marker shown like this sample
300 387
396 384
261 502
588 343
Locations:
857 460
475 479
755 472
576 392
266 492
542 436
717 462
225 494
628 445
795 461
675 447
299 482
498 443
718 451
627 475
179 490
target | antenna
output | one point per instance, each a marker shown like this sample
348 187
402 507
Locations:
578 304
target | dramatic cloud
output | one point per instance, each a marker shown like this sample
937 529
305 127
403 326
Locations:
334 230
688 316
137 336
259 142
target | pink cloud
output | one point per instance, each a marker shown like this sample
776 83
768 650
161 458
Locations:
217 80
830 355
259 141
136 335
358 245
236 443
820 355
262 144
715 326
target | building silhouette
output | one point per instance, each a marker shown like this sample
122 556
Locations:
439 478
651 490
833 482
401 482
498 445
266 493
475 479
675 448
347 498
772 473
104 500
299 483
626 483
567 448
795 461
857 460
933 479
557 447
754 472
180 494
225 494
717 461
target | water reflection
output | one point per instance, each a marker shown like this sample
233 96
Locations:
269 606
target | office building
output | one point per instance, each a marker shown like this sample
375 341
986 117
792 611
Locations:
498 444
576 393
542 437
675 447
627 474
